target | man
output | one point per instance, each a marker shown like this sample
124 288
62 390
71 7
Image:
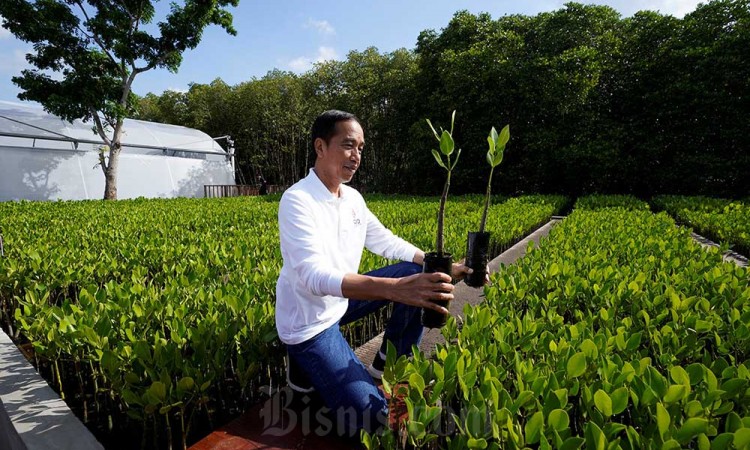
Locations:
324 226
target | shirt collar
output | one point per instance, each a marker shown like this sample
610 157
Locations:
320 191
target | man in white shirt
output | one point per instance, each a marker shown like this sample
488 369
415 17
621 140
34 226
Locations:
324 225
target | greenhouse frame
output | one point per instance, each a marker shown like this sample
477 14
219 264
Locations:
43 157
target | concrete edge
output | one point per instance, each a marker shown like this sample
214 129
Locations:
728 256
39 417
9 438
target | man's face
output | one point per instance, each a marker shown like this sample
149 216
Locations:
339 159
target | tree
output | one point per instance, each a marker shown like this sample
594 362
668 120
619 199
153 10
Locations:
99 47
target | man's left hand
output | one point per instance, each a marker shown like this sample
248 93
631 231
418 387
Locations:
459 271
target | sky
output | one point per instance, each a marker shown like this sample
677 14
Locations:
294 34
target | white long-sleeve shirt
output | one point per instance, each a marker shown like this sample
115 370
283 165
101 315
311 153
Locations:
322 238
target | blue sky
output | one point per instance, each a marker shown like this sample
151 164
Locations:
293 34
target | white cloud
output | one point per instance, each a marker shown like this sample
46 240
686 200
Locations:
326 53
322 26
300 64
677 8
304 63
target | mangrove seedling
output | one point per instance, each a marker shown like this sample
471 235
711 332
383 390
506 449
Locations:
478 243
443 158
440 260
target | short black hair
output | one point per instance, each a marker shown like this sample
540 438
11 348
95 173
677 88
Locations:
325 126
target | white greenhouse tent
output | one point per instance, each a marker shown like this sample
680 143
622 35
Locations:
43 157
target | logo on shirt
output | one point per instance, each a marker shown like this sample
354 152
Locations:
355 219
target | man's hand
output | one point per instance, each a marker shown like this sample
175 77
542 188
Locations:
460 271
419 289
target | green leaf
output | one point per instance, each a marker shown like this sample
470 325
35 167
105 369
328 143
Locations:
680 376
439 160
695 372
416 430
573 443
130 397
734 386
446 143
533 428
504 136
620 400
558 419
474 422
722 441
603 402
742 438
662 419
437 137
159 390
497 158
476 443
634 341
694 408
493 137
690 429
733 422
417 382
675 393
186 384
703 442
633 437
458 155
595 438
576 365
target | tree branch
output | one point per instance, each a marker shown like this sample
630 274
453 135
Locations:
95 37
151 65
100 127
107 141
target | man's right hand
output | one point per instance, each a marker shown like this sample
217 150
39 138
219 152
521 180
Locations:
419 289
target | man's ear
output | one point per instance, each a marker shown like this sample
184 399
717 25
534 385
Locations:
319 144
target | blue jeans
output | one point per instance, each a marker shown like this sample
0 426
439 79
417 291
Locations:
342 381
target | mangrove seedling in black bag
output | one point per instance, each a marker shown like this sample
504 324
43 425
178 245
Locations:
478 243
439 260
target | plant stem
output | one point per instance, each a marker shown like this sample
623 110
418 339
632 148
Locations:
441 215
182 428
169 431
486 202
59 379
94 376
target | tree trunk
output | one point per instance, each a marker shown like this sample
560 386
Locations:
110 174
110 177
